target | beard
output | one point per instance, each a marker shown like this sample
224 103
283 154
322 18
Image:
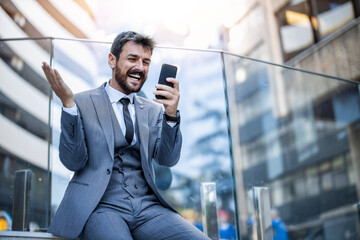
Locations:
127 87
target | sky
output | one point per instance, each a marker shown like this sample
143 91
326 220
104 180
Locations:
186 23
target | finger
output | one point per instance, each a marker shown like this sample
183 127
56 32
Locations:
165 102
159 93
166 88
44 64
46 68
58 77
159 100
60 81
173 81
48 75
53 77
165 94
163 87
174 89
48 71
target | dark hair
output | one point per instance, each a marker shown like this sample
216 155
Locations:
120 40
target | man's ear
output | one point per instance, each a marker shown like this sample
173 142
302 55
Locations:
112 60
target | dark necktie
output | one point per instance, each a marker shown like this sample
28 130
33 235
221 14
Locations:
128 122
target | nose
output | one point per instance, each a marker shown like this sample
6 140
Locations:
140 65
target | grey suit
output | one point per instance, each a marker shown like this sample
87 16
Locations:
87 148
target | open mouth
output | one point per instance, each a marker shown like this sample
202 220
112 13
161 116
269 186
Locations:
135 74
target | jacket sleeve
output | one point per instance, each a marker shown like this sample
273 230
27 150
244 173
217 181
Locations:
72 148
168 145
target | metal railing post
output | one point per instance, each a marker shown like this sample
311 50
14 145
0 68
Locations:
260 200
22 186
209 210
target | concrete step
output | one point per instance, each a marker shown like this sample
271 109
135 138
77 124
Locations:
11 235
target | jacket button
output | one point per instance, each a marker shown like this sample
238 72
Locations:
108 171
135 186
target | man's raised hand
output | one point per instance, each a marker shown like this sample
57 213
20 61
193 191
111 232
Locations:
59 86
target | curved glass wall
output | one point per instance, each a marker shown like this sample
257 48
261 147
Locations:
245 124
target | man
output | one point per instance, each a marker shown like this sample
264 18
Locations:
108 138
279 227
226 229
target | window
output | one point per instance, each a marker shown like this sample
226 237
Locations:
326 176
305 22
340 174
288 190
277 193
300 186
350 169
296 33
312 181
331 15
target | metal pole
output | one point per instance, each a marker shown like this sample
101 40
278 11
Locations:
22 186
262 229
209 210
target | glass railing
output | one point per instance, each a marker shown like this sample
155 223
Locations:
245 123
297 134
24 134
205 155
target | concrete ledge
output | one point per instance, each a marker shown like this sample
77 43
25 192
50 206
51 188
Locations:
11 235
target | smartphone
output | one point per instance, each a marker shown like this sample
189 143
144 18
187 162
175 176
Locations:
167 70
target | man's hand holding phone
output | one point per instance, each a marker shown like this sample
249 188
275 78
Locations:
167 90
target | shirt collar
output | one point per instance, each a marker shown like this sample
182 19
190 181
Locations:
115 95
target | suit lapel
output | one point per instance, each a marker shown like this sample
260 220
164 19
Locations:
142 121
101 104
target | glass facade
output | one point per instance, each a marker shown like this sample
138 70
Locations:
245 123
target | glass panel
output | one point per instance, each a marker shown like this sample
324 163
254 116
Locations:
24 137
205 155
297 134
83 66
293 132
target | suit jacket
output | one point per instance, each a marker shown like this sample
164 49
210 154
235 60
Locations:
87 148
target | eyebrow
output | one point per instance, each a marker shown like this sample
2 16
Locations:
137 56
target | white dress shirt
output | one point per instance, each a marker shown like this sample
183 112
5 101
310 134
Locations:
114 96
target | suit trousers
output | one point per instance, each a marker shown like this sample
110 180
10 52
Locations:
140 219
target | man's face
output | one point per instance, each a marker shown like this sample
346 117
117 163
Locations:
132 68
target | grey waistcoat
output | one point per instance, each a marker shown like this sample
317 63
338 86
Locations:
127 178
